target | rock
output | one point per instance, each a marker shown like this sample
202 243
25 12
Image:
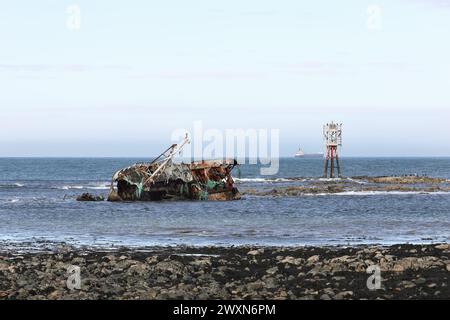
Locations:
151 260
378 255
255 252
254 286
368 262
283 294
148 294
447 267
389 257
338 268
78 261
342 259
4 266
54 295
325 297
317 271
138 269
420 281
292 260
271 283
109 258
161 280
443 246
173 267
328 291
201 262
21 283
313 259
343 295
407 284
177 294
89 197
398 268
272 270
286 260
411 263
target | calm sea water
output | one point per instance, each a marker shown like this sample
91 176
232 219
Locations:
37 203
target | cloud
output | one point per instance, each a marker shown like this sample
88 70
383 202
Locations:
335 68
40 68
435 3
390 65
313 67
210 74
259 13
34 70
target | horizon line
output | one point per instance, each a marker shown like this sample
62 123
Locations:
151 157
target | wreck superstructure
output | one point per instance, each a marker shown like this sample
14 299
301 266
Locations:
164 179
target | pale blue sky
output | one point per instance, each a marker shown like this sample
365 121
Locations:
136 70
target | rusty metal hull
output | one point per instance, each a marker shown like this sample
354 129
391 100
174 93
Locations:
201 180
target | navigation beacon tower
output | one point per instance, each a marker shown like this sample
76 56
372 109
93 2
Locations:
332 134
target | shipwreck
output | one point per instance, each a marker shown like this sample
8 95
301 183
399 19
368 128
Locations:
163 178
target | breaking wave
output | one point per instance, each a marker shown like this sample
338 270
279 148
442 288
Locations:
377 193
12 185
98 186
264 180
356 181
325 179
298 179
70 187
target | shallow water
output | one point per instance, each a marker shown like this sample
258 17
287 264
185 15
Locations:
37 202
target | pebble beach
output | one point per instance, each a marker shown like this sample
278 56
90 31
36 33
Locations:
246 272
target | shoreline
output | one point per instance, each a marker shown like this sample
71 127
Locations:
51 246
244 272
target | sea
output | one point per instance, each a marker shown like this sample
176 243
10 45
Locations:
38 207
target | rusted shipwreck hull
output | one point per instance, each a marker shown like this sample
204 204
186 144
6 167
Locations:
164 179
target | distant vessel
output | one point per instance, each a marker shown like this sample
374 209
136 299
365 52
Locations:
302 154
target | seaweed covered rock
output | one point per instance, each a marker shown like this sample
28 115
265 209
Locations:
90 197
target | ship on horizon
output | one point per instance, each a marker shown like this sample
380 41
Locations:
302 154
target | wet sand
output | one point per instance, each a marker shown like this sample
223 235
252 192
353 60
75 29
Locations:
407 272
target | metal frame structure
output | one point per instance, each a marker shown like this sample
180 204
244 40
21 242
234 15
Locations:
167 156
332 134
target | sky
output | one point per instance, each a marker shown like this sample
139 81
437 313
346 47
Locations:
116 78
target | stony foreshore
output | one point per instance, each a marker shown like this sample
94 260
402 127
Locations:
407 272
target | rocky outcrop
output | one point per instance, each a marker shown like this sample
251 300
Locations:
89 197
310 186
